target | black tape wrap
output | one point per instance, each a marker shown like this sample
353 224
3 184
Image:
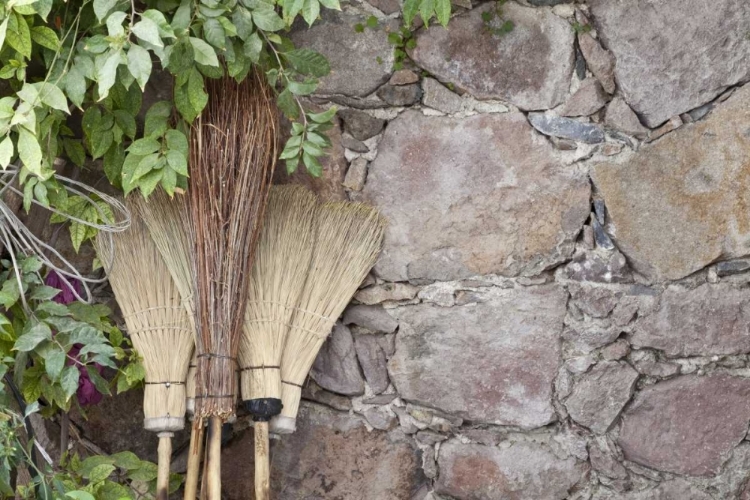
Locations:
263 409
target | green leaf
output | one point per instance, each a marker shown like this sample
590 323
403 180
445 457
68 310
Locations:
139 64
145 166
214 33
36 335
181 57
52 308
115 29
44 292
443 11
45 37
113 161
75 86
86 335
196 92
79 495
18 35
331 4
288 105
100 473
29 151
99 382
311 10
144 146
31 264
181 18
52 96
410 9
147 472
6 152
169 179
243 20
3 31
266 18
204 54
69 380
308 62
126 122
102 8
312 165
148 31
312 149
177 161
165 30
90 463
253 46
107 73
77 234
157 117
302 88
54 361
127 460
149 182
75 151
177 141
323 117
426 9
101 142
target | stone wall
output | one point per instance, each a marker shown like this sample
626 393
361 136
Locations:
561 310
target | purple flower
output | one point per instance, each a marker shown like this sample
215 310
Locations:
87 393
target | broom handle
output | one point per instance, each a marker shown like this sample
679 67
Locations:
262 467
195 455
214 458
165 457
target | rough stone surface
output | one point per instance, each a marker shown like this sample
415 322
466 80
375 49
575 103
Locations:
331 455
504 356
687 425
376 294
732 267
373 318
521 470
400 95
673 56
373 361
600 61
529 67
356 175
567 128
588 99
601 267
604 459
676 489
437 96
336 368
355 70
360 125
600 395
403 77
678 204
472 196
620 117
711 319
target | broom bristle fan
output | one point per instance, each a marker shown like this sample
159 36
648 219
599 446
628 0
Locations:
160 329
233 150
349 237
282 259
169 224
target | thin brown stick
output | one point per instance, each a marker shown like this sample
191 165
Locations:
213 468
262 465
195 455
165 458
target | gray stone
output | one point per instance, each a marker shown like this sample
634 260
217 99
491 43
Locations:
596 302
521 470
354 57
678 204
404 77
356 175
380 420
472 196
353 144
620 117
546 3
731 267
374 318
580 66
601 237
380 399
313 392
372 359
687 425
700 112
472 361
386 6
690 50
609 267
600 61
674 489
588 99
529 67
436 96
616 350
657 369
360 125
336 367
709 320
587 336
673 124
400 95
377 294
567 128
600 395
604 459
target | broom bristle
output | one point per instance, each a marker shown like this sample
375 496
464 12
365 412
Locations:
232 151
282 259
349 237
168 222
156 320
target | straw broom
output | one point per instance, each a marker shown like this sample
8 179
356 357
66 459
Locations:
168 222
159 327
348 241
233 147
282 259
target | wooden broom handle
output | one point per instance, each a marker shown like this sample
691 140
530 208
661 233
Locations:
165 457
213 470
262 467
195 454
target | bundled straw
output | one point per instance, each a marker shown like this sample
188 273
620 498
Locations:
233 148
282 259
348 241
168 222
160 329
